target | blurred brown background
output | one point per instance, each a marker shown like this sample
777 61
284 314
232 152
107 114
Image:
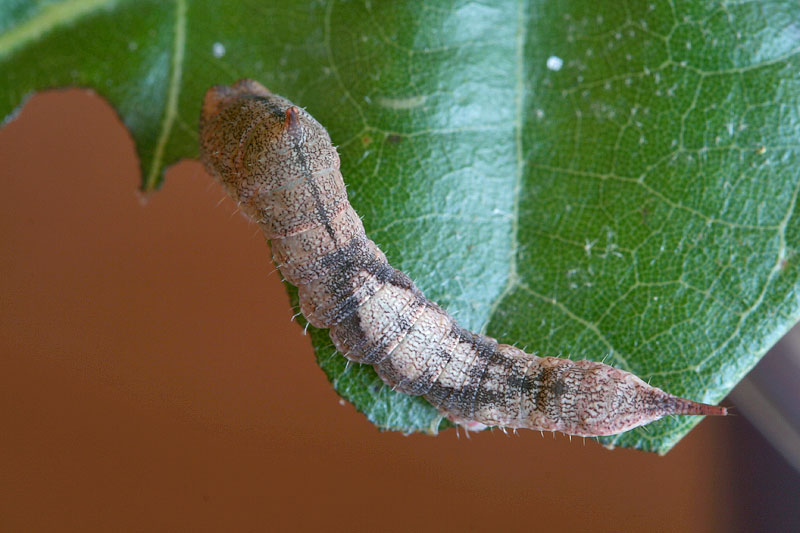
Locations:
151 379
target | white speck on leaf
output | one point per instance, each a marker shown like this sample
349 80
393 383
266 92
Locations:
218 50
587 247
555 63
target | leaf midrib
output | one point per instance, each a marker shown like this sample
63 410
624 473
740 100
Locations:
173 93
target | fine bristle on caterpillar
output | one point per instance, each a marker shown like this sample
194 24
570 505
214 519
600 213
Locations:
279 165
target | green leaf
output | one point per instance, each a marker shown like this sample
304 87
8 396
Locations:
596 180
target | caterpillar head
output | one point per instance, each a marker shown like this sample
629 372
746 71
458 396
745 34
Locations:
253 141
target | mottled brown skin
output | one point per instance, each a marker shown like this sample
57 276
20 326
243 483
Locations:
278 163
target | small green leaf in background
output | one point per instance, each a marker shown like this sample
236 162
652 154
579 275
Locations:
603 180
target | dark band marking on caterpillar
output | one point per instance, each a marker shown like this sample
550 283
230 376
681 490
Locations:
278 163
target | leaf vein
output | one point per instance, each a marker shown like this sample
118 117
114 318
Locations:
173 92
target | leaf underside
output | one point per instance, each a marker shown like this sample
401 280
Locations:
611 181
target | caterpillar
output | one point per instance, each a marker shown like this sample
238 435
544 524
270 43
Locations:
278 163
